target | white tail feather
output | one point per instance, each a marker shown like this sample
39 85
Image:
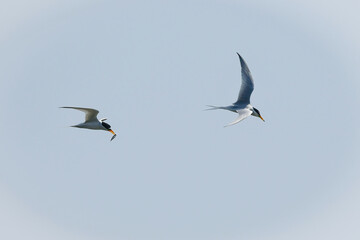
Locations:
214 107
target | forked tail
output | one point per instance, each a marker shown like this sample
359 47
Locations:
214 108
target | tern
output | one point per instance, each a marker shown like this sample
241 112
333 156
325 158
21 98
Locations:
91 120
242 106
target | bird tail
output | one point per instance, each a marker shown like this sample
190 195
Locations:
77 126
214 107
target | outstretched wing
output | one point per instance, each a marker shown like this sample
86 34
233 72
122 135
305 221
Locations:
90 114
247 84
243 113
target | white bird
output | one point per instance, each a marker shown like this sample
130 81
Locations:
242 106
92 122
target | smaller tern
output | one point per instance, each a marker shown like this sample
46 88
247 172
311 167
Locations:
92 122
242 106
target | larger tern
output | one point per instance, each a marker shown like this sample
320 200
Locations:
242 106
92 122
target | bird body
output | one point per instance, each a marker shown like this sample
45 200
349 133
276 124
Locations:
233 108
92 122
90 125
242 105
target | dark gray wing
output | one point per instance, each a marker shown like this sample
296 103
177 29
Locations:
90 114
247 84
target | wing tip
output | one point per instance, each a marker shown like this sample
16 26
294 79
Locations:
240 57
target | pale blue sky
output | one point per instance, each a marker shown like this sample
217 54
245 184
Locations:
174 172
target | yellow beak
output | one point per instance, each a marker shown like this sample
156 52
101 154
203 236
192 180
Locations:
112 133
261 118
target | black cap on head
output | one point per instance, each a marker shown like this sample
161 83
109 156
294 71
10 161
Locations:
257 111
105 125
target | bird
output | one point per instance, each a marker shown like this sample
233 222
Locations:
242 105
91 120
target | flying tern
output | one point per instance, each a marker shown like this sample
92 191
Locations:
242 106
92 122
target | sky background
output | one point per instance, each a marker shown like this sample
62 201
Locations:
174 172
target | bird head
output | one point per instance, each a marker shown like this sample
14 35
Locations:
256 113
108 127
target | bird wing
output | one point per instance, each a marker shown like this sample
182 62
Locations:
247 84
243 113
90 114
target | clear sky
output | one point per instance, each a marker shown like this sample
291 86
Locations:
174 172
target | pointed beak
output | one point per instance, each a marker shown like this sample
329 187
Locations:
261 118
112 133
